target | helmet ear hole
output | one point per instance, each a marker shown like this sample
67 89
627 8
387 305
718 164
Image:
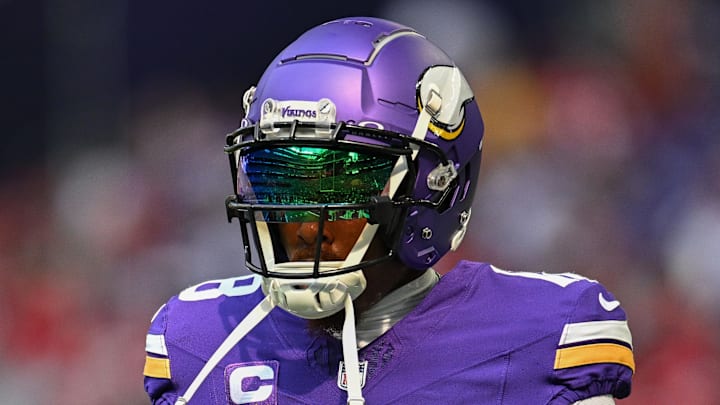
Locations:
470 177
450 199
461 186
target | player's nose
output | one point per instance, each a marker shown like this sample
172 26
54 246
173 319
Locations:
308 232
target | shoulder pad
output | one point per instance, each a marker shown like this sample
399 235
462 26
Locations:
594 355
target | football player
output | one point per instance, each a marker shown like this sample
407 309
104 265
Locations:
354 169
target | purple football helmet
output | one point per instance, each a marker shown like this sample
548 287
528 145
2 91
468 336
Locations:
358 118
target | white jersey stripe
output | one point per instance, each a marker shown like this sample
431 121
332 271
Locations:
588 331
155 344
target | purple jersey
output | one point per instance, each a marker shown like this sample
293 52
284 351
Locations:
482 335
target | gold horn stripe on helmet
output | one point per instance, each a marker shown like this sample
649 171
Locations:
594 354
445 134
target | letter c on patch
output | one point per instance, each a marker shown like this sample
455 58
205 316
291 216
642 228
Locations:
251 384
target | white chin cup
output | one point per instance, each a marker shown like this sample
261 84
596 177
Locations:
313 298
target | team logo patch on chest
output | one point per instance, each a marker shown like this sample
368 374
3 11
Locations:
253 383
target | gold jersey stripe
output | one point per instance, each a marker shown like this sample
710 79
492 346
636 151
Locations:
445 134
156 367
593 354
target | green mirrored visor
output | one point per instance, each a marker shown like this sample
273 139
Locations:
303 175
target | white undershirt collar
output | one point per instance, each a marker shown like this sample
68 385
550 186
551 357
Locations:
393 307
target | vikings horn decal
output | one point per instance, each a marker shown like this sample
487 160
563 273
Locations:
455 92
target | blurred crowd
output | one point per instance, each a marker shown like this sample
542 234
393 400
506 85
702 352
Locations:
601 156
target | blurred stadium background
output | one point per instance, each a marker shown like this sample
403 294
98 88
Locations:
602 156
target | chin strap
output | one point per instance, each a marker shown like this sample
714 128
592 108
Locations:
350 355
349 337
258 313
